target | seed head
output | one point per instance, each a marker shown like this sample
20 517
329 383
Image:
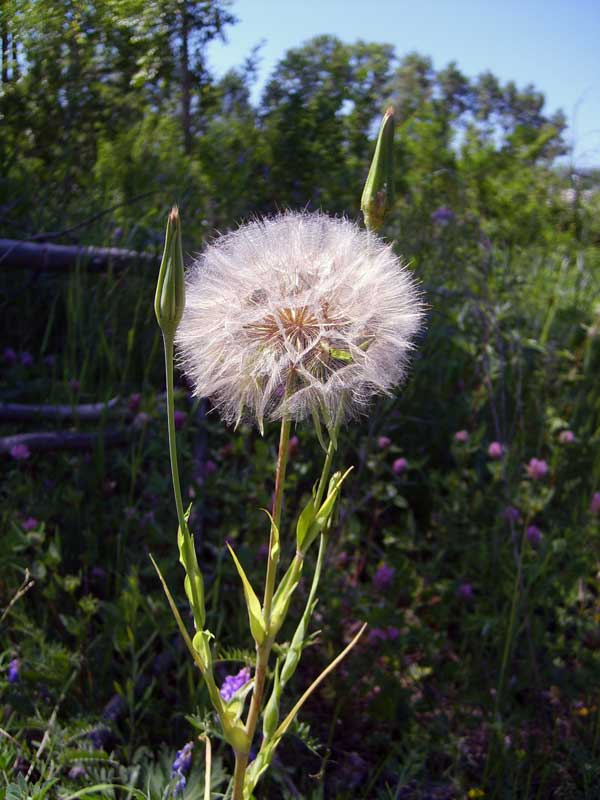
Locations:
297 314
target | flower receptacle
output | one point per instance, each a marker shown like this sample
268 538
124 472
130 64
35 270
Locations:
169 300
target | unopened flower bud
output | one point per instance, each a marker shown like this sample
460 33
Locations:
169 300
378 194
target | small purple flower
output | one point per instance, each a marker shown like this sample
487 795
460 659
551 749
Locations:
14 668
101 738
29 524
461 436
20 452
26 359
595 504
209 468
141 420
233 683
383 442
511 514
392 632
115 708
179 418
10 357
496 450
537 469
383 577
133 404
183 760
465 591
443 215
399 466
534 535
180 786
77 772
566 437
293 445
377 635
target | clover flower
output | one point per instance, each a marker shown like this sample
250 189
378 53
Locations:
534 535
496 450
233 683
461 436
399 466
297 314
566 437
537 469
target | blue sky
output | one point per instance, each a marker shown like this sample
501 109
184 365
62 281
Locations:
553 44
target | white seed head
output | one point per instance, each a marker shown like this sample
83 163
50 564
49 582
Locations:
296 314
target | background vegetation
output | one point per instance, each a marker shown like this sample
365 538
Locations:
480 672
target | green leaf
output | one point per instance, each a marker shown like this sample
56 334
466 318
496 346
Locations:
255 615
193 582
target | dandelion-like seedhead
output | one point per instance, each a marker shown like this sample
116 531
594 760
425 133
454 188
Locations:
296 314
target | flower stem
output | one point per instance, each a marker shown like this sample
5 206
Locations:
241 762
282 457
168 342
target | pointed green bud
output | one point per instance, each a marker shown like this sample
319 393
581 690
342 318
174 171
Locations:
378 195
169 300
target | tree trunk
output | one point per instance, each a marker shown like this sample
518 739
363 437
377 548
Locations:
185 80
4 51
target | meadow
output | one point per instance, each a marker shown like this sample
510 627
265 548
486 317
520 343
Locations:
467 534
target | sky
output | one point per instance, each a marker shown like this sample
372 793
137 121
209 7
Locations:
555 45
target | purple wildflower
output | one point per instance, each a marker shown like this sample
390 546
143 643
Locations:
534 535
77 772
383 442
141 420
183 760
133 404
293 445
26 359
29 524
233 683
566 437
383 577
14 668
10 357
180 786
537 469
443 215
595 504
101 738
20 452
115 708
179 418
209 467
511 514
399 466
496 450
461 436
465 591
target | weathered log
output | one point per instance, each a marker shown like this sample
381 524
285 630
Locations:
67 440
15 254
84 411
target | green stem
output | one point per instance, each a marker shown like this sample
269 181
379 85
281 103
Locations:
168 341
273 560
241 762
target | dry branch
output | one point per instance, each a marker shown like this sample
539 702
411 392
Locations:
84 411
15 254
64 440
